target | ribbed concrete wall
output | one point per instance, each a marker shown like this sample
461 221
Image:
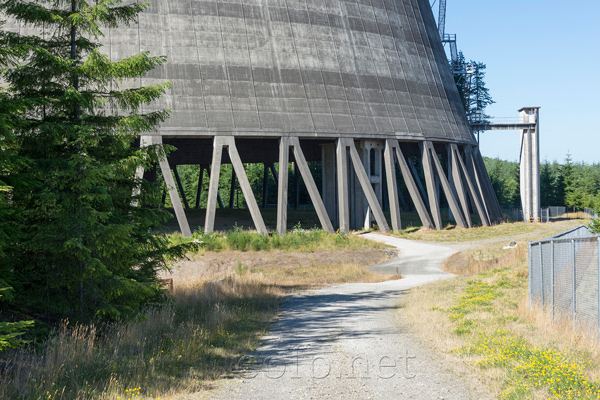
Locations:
316 73
328 68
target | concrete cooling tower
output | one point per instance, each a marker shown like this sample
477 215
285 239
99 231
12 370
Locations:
362 86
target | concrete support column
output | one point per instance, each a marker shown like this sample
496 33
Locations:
357 200
343 145
392 186
139 172
342 186
525 174
228 142
432 193
443 181
370 152
456 182
309 182
329 182
535 175
451 179
282 185
417 180
172 189
411 185
474 193
471 166
530 164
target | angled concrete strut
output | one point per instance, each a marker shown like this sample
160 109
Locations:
219 143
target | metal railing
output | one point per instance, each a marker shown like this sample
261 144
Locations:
478 118
564 278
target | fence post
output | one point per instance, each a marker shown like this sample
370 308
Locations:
573 280
530 274
542 277
552 279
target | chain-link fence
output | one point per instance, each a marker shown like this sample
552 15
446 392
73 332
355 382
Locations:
564 277
590 213
515 214
557 211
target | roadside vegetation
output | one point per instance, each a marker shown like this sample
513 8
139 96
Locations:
482 322
300 240
194 337
453 233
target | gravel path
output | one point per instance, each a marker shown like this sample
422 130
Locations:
345 342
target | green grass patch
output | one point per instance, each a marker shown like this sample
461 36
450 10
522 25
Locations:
299 240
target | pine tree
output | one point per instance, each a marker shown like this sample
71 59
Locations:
460 80
10 161
480 96
546 184
87 252
472 89
568 179
10 332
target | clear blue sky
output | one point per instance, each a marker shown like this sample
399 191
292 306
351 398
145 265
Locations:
538 53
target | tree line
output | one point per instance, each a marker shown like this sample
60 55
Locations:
570 184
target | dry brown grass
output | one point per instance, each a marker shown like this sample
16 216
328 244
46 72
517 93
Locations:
221 304
483 259
427 310
303 277
173 348
297 268
452 233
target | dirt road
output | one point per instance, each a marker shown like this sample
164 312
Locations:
345 342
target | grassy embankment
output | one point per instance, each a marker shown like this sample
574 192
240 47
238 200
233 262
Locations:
482 323
178 347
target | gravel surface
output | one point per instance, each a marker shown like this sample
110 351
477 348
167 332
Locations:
345 342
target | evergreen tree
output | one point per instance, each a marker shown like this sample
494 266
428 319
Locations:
472 89
595 224
460 80
10 331
568 178
557 186
86 251
480 96
546 198
505 180
11 162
